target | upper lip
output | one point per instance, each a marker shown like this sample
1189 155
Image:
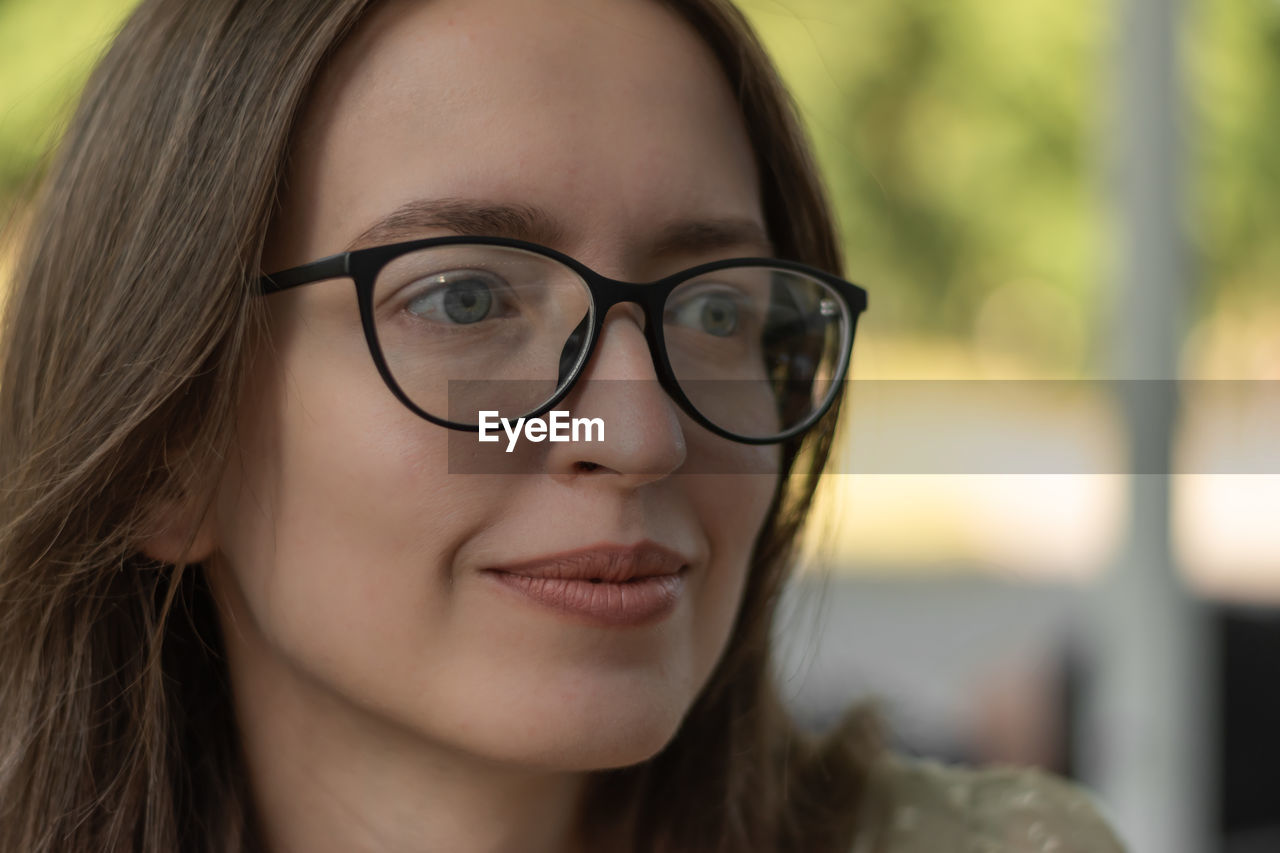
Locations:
607 562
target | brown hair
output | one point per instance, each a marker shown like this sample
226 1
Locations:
125 336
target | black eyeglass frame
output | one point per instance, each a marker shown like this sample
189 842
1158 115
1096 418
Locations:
363 265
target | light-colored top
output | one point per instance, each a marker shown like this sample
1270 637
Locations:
927 807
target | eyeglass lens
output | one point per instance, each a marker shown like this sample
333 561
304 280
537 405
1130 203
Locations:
471 328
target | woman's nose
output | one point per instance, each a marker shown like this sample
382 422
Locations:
643 436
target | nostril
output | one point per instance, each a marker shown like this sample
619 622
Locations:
586 466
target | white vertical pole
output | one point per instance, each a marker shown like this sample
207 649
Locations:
1148 748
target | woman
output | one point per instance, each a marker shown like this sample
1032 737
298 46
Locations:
263 586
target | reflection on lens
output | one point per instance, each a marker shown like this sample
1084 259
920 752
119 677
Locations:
765 359
494 324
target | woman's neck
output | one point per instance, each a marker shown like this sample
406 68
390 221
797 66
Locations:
330 777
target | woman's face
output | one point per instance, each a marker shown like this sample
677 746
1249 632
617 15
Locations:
353 567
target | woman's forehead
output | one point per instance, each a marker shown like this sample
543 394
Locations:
613 114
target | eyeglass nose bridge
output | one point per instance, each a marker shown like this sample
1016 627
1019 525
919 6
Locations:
607 293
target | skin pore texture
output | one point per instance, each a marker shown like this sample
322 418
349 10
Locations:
390 696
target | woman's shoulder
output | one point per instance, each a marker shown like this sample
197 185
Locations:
929 807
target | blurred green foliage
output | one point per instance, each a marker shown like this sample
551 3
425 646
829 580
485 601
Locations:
47 48
961 144
1233 51
961 141
964 142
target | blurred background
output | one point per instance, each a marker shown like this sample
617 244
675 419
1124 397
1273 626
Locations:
1051 536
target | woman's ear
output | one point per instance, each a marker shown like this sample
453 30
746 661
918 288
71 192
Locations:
179 530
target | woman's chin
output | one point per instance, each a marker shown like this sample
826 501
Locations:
606 750
587 739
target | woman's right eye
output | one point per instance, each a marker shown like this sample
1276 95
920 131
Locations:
457 298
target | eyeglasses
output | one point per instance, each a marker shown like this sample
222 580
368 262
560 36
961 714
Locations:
753 349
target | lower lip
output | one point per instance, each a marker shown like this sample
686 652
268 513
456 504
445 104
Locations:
642 601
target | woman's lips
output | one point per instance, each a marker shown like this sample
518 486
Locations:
607 585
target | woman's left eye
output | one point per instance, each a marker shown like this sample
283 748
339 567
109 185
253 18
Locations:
714 312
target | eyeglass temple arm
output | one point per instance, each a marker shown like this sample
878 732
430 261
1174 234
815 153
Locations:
334 266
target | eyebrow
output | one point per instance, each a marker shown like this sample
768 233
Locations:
534 225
